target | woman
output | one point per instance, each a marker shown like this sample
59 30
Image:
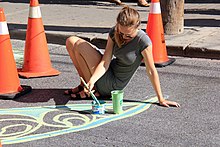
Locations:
129 45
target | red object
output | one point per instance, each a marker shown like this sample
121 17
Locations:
36 56
156 33
9 81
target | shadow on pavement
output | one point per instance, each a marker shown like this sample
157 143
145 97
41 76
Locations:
57 39
13 26
205 11
202 22
202 1
44 95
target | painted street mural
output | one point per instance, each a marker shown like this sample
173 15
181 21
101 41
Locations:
19 125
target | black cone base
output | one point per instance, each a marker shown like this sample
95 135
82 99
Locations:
25 90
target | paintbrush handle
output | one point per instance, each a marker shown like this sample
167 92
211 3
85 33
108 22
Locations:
91 93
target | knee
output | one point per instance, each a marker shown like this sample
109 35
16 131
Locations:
71 42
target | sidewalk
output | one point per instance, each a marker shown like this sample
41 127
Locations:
92 20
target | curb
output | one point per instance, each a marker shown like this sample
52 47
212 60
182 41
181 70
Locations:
193 52
172 50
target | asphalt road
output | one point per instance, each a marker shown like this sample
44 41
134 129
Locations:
46 117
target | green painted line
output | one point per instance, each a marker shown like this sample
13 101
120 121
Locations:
62 122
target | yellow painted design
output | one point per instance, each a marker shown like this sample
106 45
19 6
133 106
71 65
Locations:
19 125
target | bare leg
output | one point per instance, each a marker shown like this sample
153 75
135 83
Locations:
84 56
143 3
117 2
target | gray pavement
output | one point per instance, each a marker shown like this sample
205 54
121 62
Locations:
92 19
46 117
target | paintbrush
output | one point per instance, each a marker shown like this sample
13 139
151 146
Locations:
91 93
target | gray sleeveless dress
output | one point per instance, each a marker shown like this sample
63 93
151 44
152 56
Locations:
127 59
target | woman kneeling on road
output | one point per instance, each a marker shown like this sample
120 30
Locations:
129 45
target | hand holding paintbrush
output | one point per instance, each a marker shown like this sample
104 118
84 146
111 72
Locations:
91 93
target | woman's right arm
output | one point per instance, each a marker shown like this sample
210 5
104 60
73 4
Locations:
103 66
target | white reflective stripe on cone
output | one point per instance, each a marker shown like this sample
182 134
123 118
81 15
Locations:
155 8
34 12
3 28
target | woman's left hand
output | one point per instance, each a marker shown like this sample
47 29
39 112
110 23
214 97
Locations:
167 103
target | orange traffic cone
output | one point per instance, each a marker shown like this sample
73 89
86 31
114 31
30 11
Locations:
0 143
156 33
36 56
9 81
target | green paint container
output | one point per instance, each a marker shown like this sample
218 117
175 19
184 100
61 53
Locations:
117 100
